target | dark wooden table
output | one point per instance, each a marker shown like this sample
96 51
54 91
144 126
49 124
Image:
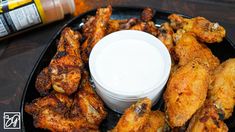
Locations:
18 55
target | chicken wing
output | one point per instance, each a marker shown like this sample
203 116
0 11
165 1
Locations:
88 102
166 36
222 89
116 25
134 118
65 67
98 30
147 14
43 82
188 48
207 119
186 92
52 112
202 28
156 122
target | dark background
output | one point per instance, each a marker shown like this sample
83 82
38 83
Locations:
19 54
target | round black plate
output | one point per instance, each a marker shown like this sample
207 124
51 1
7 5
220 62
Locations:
223 51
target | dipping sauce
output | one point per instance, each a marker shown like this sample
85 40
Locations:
128 65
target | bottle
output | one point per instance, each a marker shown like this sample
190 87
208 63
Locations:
17 16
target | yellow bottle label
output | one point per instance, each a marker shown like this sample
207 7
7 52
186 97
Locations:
18 15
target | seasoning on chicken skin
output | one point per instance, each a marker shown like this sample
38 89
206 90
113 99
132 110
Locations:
156 122
222 89
43 82
202 28
147 14
65 67
116 25
207 119
99 27
135 117
89 103
186 92
166 36
188 48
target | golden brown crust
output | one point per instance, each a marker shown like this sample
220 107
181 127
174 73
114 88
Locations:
207 119
65 67
148 27
188 48
222 88
166 36
156 122
99 27
202 28
135 117
186 92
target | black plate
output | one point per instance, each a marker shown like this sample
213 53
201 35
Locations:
223 51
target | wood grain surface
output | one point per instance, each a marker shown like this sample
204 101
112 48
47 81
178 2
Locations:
19 54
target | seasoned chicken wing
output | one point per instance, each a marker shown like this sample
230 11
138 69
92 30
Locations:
156 122
134 118
166 36
99 25
147 14
52 112
207 119
88 102
43 82
222 89
202 28
186 92
188 48
116 25
65 67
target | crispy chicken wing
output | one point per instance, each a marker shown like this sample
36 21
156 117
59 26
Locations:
156 122
147 14
134 118
65 67
207 119
116 25
188 48
166 36
98 30
43 82
222 88
186 92
202 28
90 105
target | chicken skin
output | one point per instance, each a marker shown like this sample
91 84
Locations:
156 122
188 48
186 92
207 119
166 36
98 31
134 118
222 89
43 82
58 112
203 29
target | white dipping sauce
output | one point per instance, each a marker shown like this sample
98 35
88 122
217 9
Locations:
129 66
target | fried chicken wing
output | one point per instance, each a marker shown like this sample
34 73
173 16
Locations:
134 118
43 82
166 36
188 48
148 27
147 14
98 30
222 89
116 25
202 28
65 67
186 92
90 105
156 122
207 119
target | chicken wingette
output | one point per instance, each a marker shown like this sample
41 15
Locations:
188 48
98 31
156 122
203 29
134 118
186 92
166 36
207 119
222 89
